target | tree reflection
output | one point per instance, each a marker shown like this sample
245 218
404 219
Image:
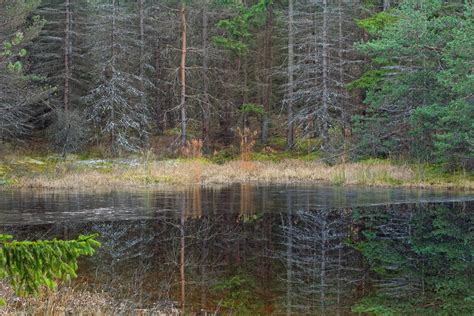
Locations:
321 273
246 251
421 259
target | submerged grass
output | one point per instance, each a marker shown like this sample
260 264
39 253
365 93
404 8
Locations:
74 173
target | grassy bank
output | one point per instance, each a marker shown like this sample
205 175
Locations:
52 172
67 300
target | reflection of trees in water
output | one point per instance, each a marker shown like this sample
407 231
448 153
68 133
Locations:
321 270
421 258
246 258
247 203
124 252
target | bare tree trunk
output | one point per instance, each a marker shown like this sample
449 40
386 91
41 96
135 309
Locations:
268 73
344 120
183 75
291 62
67 59
112 51
386 5
207 105
324 113
142 51
160 117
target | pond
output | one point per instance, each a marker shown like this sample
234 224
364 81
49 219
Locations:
266 250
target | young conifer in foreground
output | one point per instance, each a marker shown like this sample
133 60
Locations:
30 265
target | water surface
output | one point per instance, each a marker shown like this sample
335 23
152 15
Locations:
261 250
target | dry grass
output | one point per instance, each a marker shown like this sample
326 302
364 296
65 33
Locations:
176 173
71 301
65 301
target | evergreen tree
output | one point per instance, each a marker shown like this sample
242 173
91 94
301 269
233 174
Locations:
421 79
30 265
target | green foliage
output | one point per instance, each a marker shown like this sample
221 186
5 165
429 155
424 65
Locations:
446 132
426 272
237 295
29 265
238 29
419 92
369 80
377 22
224 155
252 109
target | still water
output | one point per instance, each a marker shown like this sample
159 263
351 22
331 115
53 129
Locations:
266 250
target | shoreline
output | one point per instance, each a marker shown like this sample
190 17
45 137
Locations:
173 174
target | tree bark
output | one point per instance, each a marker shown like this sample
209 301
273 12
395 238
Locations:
142 51
67 58
183 75
291 63
160 117
112 52
344 117
324 113
207 104
268 73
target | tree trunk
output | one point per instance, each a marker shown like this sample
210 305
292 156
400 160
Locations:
386 5
207 105
268 73
142 51
67 58
291 62
344 117
324 113
160 117
183 75
112 52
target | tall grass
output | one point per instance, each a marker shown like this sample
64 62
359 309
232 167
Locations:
69 300
197 170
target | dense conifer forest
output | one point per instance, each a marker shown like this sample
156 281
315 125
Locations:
346 79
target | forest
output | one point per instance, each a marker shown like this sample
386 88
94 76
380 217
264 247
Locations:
258 157
345 79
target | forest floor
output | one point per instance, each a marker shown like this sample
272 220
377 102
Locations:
53 172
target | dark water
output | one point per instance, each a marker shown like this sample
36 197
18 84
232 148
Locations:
259 250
